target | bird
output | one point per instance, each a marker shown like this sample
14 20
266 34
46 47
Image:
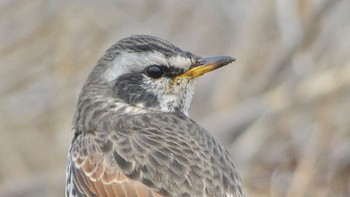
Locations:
132 133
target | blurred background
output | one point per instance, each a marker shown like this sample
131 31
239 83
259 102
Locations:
282 109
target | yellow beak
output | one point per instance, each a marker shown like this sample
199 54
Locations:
206 65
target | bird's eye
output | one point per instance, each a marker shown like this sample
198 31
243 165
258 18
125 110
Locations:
155 71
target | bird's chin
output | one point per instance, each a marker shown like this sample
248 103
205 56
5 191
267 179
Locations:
180 100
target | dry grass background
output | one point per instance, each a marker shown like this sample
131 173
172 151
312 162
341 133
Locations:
282 109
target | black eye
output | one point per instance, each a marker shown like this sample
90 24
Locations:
155 71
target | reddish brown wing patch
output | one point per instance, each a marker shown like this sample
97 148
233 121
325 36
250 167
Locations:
96 173
95 179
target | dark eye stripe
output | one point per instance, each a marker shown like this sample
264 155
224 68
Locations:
174 71
158 71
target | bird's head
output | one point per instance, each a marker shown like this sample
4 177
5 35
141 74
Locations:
150 73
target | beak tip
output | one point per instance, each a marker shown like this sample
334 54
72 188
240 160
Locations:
231 59
227 60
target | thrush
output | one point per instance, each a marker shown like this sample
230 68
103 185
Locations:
132 132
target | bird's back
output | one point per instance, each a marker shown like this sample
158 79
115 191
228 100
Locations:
151 154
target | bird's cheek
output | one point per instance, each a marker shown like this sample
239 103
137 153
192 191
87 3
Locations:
175 85
180 81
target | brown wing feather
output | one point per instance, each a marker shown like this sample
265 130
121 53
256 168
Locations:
129 188
94 174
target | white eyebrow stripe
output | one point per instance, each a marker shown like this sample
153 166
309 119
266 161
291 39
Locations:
128 62
180 61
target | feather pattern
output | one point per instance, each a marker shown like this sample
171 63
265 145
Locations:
164 153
